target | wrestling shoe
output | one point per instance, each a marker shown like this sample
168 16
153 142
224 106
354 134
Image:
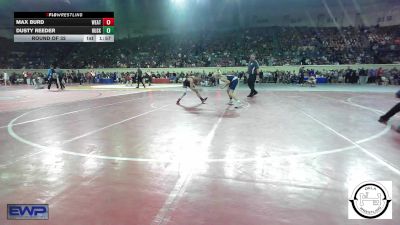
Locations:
381 120
177 102
238 105
203 100
255 92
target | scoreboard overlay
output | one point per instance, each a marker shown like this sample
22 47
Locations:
64 26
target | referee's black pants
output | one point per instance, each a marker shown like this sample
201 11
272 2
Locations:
61 80
140 80
50 81
251 82
391 112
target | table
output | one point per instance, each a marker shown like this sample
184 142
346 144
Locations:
320 80
160 81
106 81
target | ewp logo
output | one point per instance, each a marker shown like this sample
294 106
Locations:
27 211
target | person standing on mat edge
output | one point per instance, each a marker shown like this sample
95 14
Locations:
252 71
139 78
51 77
60 78
6 79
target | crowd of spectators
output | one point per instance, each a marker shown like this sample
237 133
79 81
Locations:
273 46
92 77
378 76
348 75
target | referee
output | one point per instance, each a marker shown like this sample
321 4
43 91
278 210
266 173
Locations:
51 77
139 78
252 70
